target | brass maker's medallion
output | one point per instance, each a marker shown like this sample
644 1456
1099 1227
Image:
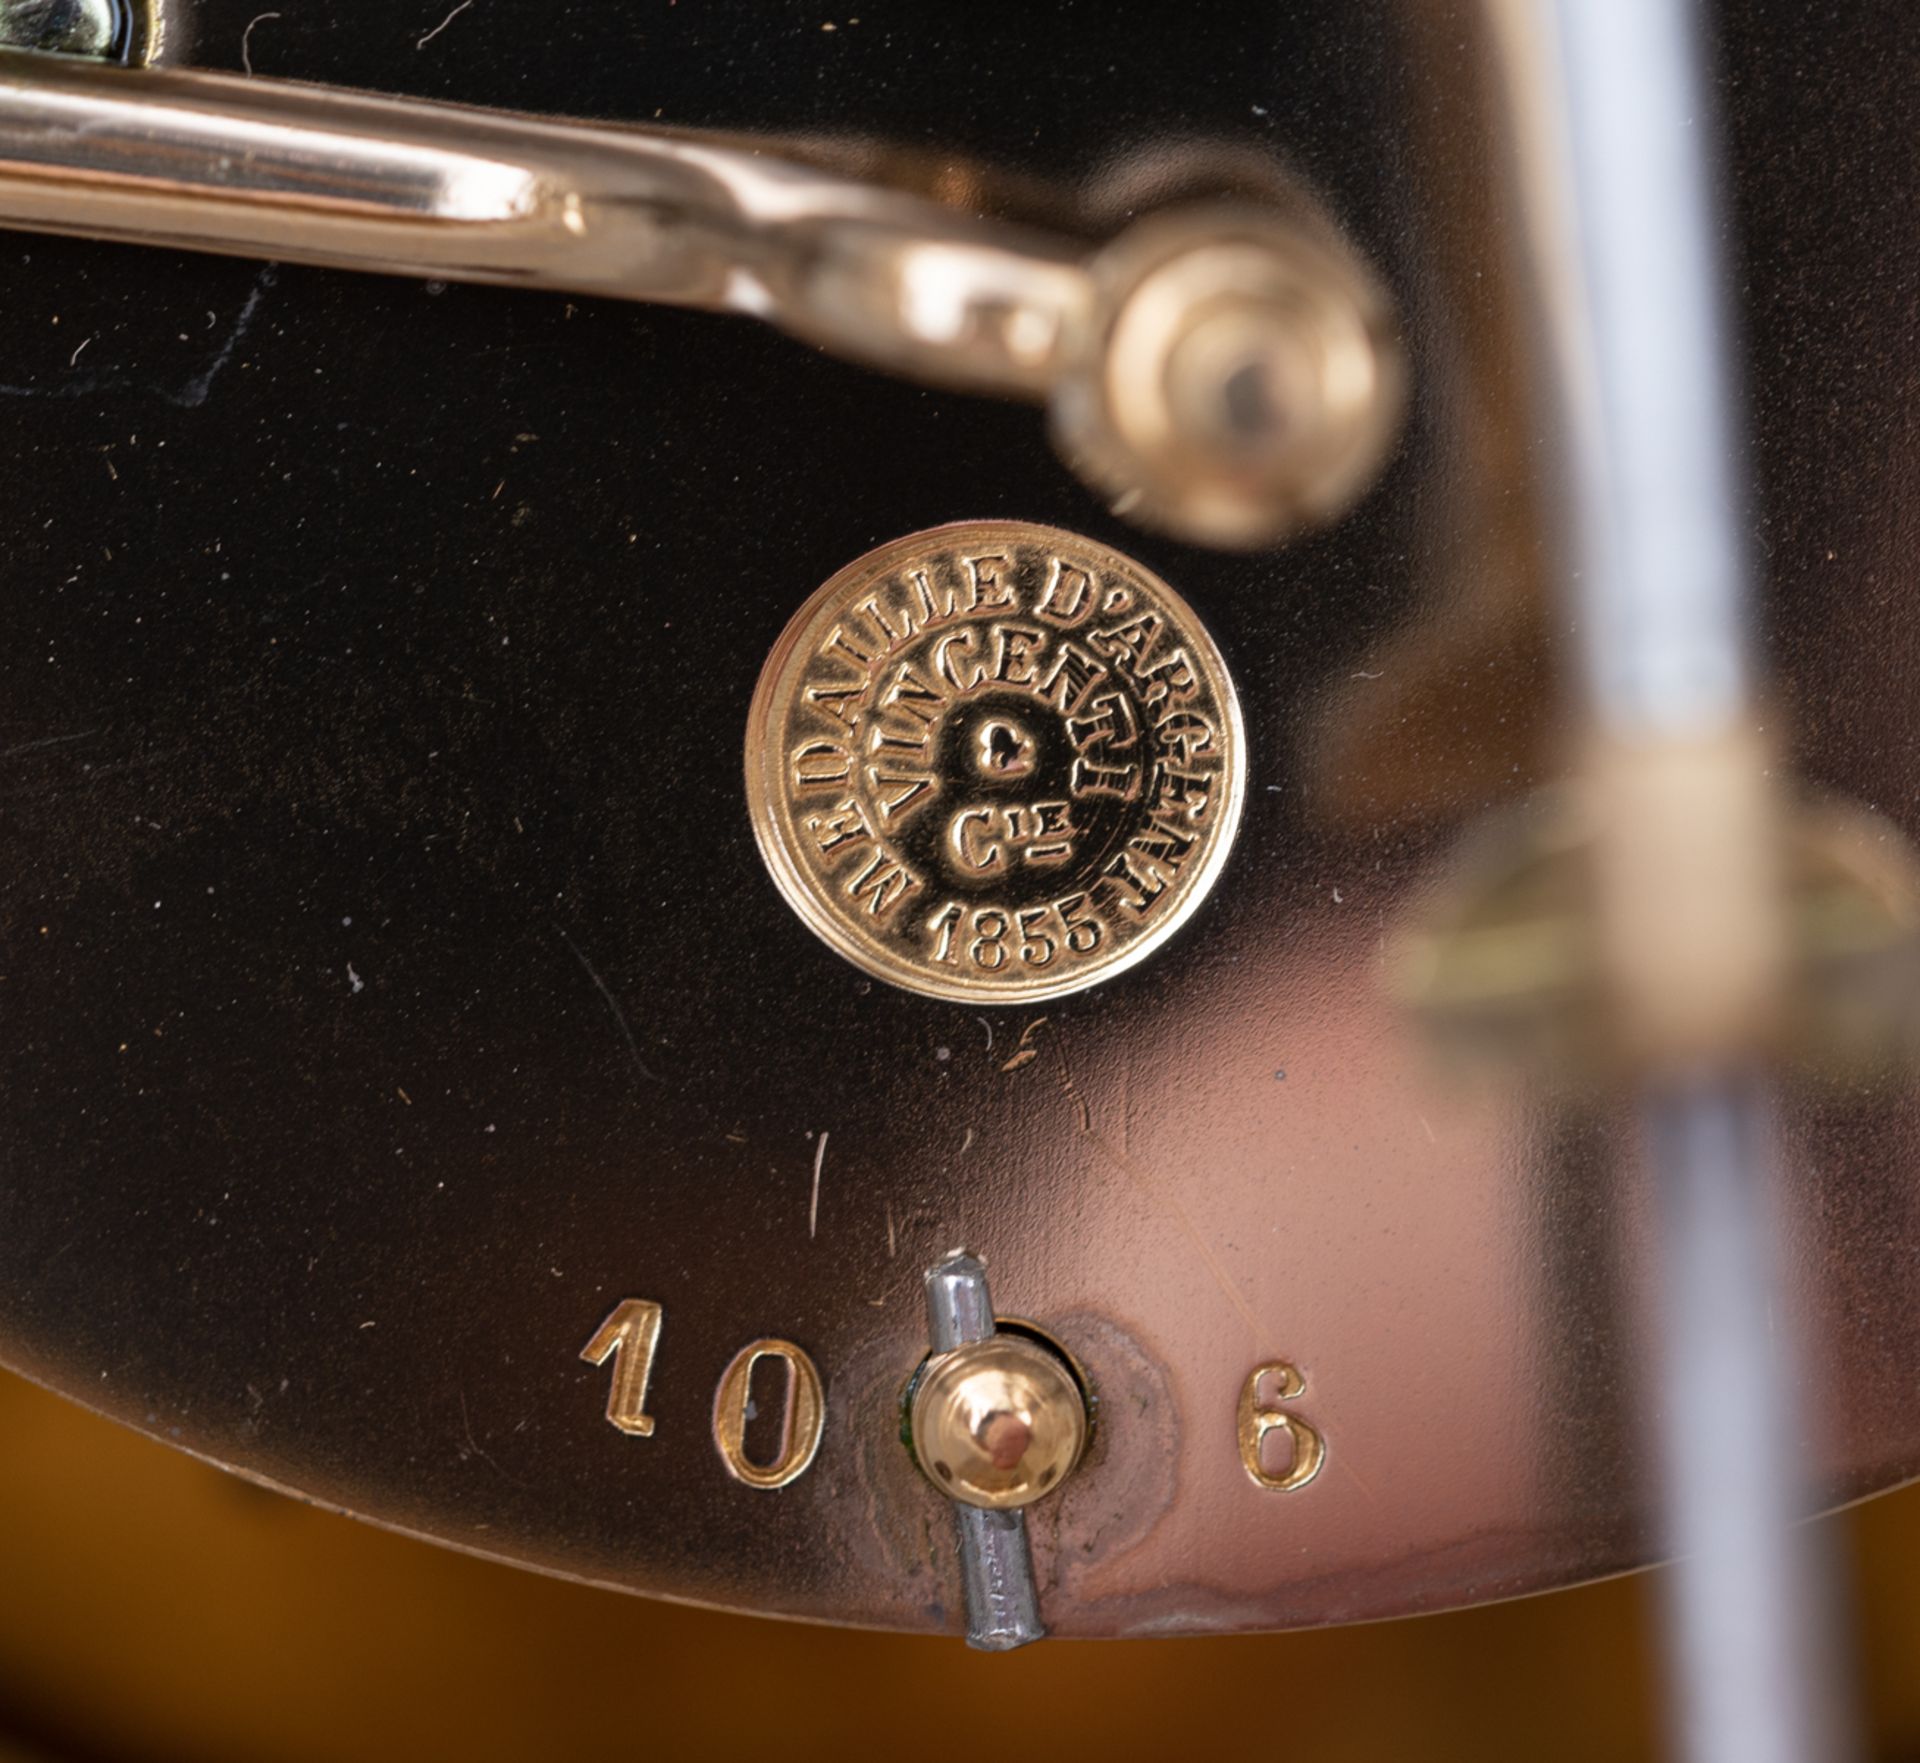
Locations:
995 761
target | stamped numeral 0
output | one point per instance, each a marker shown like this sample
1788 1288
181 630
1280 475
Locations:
806 1416
628 1337
1256 1421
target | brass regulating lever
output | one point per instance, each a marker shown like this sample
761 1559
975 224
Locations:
1227 372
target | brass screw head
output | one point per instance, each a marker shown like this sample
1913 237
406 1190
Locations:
101 30
998 1423
1239 379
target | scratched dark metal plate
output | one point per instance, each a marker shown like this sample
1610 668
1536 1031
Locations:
391 983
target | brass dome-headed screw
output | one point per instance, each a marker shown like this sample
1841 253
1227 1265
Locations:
1238 379
998 1423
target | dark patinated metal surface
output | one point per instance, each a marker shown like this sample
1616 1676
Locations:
392 984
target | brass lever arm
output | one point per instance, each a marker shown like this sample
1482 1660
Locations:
258 167
1229 373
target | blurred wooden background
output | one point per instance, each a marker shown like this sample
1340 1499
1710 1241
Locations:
153 1608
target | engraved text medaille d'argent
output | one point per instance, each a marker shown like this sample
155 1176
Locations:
994 761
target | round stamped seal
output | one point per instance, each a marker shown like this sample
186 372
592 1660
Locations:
994 762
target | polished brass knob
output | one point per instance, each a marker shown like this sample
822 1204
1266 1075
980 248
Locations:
998 1423
1240 379
106 30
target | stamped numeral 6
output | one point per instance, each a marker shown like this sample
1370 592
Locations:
1256 1420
